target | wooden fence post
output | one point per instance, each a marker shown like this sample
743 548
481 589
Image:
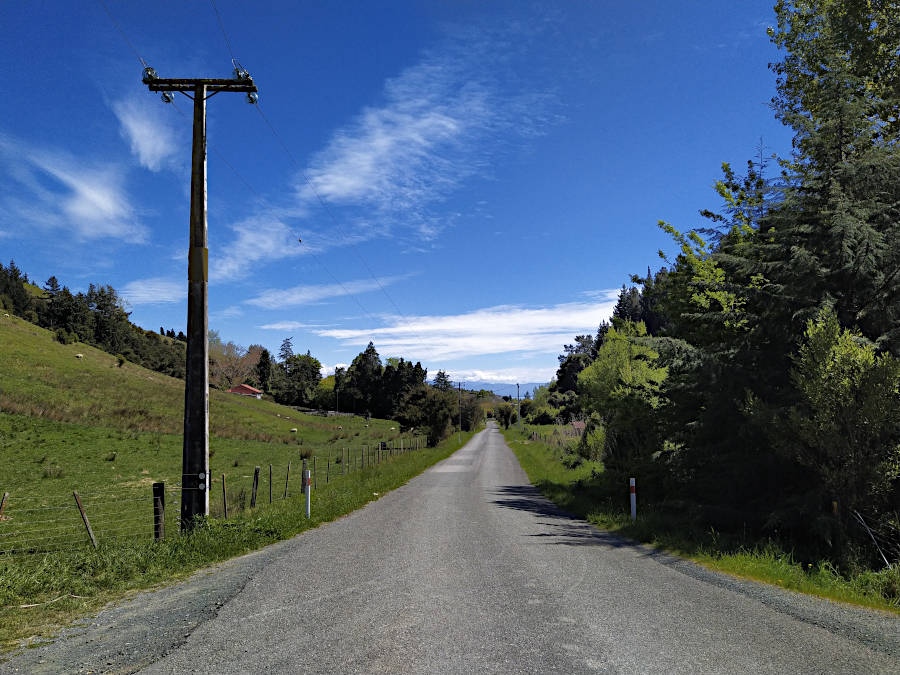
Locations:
159 511
255 486
327 468
3 502
287 477
224 498
315 484
87 523
270 483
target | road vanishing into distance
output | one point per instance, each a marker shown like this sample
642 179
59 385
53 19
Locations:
467 569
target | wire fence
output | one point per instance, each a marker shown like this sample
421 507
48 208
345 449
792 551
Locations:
132 514
562 436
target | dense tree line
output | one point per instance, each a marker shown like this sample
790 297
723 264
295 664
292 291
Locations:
394 389
97 318
754 379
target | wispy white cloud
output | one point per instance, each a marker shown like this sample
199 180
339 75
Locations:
231 312
288 325
441 121
154 291
54 190
276 298
385 173
151 137
504 375
268 236
260 238
505 329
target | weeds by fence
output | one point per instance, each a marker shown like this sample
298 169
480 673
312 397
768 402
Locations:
37 524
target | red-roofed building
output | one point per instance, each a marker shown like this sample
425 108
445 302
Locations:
246 390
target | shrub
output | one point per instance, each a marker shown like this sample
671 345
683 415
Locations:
64 337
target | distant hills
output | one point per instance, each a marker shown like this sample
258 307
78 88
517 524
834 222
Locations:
504 388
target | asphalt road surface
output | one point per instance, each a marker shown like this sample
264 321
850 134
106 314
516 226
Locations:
467 569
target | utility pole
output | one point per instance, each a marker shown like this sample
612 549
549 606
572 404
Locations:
518 407
459 436
195 450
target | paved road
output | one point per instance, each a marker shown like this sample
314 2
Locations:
467 569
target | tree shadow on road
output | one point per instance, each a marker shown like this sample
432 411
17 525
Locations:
564 528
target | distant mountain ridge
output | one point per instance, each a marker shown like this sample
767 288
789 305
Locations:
504 388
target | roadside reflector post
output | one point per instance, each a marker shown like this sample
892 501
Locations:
631 487
303 489
306 486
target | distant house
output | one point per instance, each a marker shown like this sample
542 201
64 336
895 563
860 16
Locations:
246 390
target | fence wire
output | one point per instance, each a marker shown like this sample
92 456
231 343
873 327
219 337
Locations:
123 515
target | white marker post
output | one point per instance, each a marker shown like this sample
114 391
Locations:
631 487
306 488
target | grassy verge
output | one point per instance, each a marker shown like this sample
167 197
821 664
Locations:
40 593
582 491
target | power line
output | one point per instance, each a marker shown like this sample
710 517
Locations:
321 201
331 215
216 150
219 154
261 198
290 155
222 26
287 150
122 33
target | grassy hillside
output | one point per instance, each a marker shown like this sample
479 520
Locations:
42 378
91 425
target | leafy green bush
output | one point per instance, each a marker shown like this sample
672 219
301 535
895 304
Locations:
64 337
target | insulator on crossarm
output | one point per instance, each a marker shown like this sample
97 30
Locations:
252 97
240 73
149 75
167 97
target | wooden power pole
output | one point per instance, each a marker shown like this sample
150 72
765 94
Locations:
459 438
195 454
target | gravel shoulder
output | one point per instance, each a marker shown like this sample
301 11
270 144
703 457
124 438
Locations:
467 568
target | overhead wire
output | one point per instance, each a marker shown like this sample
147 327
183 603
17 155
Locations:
312 187
303 173
122 33
225 161
328 211
256 193
222 26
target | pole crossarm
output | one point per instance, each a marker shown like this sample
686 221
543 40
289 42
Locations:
211 84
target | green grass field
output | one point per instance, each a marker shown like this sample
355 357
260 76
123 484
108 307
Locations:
109 432
582 490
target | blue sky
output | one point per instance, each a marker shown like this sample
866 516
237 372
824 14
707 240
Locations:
471 181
